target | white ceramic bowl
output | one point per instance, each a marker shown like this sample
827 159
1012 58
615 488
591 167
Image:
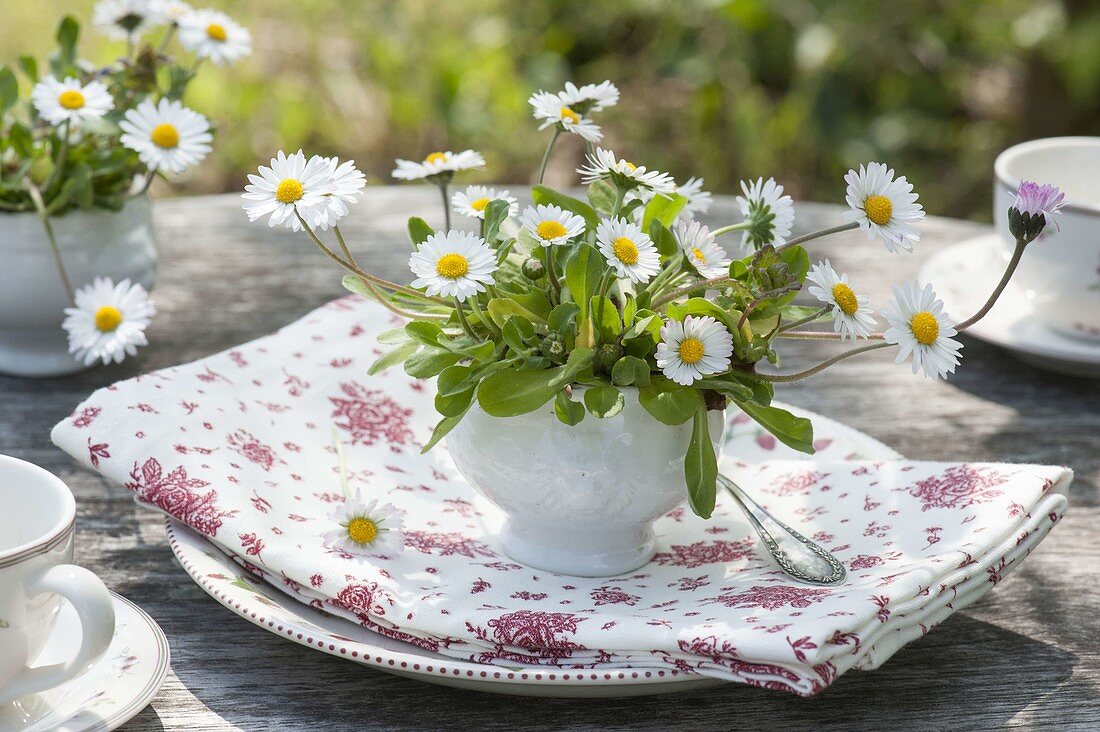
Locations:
579 500
1060 272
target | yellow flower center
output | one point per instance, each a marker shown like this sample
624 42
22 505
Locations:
452 266
698 254
216 32
436 157
879 209
691 350
71 99
845 298
107 319
925 328
289 190
362 530
548 230
165 135
568 114
479 204
631 167
625 250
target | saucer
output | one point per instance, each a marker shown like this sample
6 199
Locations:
277 612
964 274
118 686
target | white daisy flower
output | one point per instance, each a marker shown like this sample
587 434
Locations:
70 101
108 322
550 225
701 250
438 163
553 110
628 250
172 11
920 328
604 165
590 97
698 200
883 206
291 185
166 136
122 19
690 350
344 186
366 529
771 212
851 313
214 35
474 200
455 264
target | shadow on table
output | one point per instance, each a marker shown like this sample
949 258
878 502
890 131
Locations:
967 674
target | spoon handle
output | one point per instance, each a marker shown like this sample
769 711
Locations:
799 557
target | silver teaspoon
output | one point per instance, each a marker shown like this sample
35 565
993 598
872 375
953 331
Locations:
796 555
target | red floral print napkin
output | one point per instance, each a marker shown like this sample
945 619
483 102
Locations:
239 446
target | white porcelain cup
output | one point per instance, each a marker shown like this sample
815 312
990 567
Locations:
37 522
1060 271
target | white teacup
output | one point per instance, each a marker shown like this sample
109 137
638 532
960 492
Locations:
1060 272
37 522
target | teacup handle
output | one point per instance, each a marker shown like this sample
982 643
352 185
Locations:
92 601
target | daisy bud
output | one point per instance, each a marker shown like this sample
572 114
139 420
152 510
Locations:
552 347
606 357
1034 207
533 269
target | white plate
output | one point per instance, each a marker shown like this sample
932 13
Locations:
113 690
277 612
965 273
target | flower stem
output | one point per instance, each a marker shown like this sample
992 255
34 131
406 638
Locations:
803 321
1009 271
62 154
810 335
40 207
732 227
489 324
552 272
462 318
546 155
818 234
366 275
602 290
446 207
381 297
167 39
799 375
686 289
620 196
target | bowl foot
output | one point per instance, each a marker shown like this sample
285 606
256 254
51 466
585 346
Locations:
579 550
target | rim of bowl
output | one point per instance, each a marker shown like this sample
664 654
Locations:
1012 184
68 513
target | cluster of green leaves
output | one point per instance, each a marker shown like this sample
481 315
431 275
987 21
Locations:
581 342
95 169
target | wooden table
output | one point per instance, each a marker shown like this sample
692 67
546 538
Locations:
1027 655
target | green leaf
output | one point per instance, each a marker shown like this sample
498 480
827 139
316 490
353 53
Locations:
9 89
630 370
563 318
630 311
609 326
701 466
495 214
702 306
582 274
393 337
663 208
543 195
501 309
510 393
568 411
454 405
516 332
429 362
454 380
601 195
794 432
392 358
29 65
663 239
604 401
444 426
668 402
482 351
419 231
67 33
424 332
650 323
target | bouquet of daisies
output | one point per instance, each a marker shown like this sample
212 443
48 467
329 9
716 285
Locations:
89 136
624 288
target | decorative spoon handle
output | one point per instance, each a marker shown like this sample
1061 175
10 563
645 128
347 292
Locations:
796 555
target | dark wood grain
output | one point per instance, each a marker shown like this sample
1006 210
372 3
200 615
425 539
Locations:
1026 656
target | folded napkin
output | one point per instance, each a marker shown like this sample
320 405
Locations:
239 446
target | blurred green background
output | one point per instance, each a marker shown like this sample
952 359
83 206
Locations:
798 89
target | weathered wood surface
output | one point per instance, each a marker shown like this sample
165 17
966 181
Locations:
1026 656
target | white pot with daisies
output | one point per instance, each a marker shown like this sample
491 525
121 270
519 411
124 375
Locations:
584 351
78 154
